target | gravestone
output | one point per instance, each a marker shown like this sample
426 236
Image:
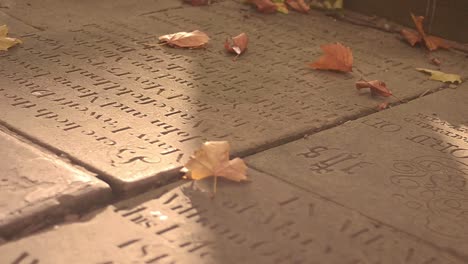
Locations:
265 221
133 113
406 167
37 187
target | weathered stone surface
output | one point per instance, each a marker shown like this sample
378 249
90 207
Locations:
52 14
138 111
35 187
406 167
265 221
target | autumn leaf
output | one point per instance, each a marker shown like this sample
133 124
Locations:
7 42
431 42
411 36
264 6
281 6
376 87
212 159
298 5
198 2
237 44
435 61
194 39
441 76
382 106
337 57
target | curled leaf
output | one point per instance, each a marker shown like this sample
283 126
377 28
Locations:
198 2
411 36
264 6
376 87
298 5
237 44
212 159
435 61
337 57
441 76
431 42
7 42
194 39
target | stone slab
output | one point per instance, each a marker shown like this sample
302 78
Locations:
407 167
36 187
138 112
265 221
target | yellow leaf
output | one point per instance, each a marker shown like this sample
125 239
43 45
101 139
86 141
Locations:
6 42
441 76
282 8
212 159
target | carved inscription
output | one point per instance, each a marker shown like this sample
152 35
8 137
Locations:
437 187
326 160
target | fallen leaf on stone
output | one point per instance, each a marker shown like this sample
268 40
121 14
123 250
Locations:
337 57
441 76
382 106
264 6
376 87
237 44
435 61
212 159
281 6
327 4
198 2
298 5
194 39
431 42
7 42
411 36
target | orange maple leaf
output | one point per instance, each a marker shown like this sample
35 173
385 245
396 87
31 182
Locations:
239 44
264 6
376 87
337 57
298 5
431 42
212 159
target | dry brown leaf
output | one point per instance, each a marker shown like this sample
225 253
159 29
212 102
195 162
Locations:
411 36
431 42
198 2
436 61
298 5
194 39
337 57
237 44
264 6
376 87
7 42
212 159
382 106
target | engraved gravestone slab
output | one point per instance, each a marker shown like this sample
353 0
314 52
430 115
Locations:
138 112
51 14
265 221
35 187
406 167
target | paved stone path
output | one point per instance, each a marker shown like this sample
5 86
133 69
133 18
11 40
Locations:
86 106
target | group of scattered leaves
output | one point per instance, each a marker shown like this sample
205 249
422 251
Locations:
7 42
198 39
